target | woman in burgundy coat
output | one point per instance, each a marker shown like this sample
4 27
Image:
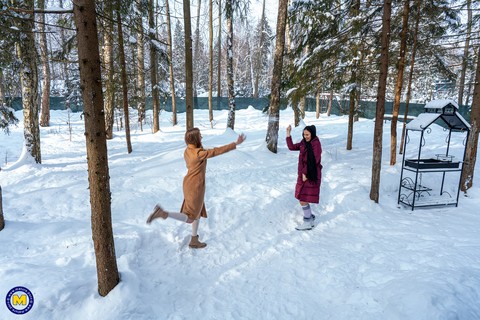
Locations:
307 189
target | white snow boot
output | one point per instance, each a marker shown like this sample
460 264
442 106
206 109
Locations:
308 224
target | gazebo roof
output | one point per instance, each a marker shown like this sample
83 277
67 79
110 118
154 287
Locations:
435 110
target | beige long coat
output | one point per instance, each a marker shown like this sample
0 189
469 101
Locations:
194 182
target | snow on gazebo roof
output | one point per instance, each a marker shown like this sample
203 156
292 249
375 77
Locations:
453 120
440 103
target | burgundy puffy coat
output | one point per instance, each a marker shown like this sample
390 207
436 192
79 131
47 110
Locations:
308 191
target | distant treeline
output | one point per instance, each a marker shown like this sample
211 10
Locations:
339 107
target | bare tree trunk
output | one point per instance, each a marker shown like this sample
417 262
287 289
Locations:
258 59
45 107
153 67
399 84
466 181
170 65
318 95
109 68
380 108
210 62
97 155
330 101
219 49
124 80
410 75
196 53
230 82
2 90
188 63
274 108
2 219
461 86
351 112
29 80
141 70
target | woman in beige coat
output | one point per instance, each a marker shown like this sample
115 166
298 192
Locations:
193 206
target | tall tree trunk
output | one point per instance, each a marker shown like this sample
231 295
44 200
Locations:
29 79
153 66
399 83
196 54
124 79
466 181
230 82
45 107
351 113
188 64
210 62
140 70
2 219
461 86
410 75
109 68
330 101
380 108
219 62
258 58
274 108
97 155
170 65
2 89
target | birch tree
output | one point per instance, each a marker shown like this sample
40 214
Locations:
26 55
140 94
170 64
108 62
96 142
45 105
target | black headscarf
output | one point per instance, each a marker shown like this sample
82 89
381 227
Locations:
312 173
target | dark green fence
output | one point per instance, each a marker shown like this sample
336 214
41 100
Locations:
339 107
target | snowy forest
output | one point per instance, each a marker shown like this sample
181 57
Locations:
120 59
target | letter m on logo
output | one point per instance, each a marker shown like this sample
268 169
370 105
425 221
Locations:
22 300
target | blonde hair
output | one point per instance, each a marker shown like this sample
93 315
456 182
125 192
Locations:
192 136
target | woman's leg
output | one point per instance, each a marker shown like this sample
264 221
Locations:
195 227
307 212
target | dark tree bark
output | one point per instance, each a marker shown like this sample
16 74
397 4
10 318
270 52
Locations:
188 63
399 83
410 75
466 181
380 107
219 49
96 142
210 62
274 108
2 220
153 67
124 81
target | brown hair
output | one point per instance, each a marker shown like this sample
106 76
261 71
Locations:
192 136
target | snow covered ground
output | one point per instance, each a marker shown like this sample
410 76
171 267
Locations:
362 261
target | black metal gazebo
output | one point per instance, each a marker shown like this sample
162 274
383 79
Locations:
424 174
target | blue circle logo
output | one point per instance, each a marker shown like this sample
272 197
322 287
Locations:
19 300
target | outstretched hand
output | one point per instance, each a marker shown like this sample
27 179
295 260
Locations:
240 139
289 130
